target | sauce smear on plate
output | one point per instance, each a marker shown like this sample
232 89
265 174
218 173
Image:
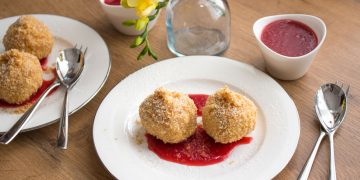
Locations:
199 149
43 63
289 37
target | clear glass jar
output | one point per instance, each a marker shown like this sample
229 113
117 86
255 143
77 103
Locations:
198 27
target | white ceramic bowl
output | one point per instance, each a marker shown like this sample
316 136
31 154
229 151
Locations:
285 67
118 14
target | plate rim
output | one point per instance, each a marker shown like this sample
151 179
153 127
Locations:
97 90
298 124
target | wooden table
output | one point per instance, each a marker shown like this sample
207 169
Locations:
33 156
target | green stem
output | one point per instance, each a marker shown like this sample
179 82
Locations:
144 36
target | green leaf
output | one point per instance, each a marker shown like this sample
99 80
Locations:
143 52
129 22
152 54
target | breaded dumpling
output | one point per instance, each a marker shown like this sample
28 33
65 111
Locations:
20 76
30 35
169 116
228 116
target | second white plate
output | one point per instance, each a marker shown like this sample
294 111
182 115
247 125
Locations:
276 135
67 32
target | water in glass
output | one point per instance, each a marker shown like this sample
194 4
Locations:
198 27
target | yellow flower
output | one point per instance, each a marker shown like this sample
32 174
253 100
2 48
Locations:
143 8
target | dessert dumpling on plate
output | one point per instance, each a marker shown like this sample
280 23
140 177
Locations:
20 76
228 116
169 116
30 35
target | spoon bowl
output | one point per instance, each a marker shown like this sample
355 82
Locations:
330 106
69 65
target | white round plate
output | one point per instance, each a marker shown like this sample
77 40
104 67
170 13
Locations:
118 135
67 32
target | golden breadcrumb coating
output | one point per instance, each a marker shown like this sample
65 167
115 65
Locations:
30 35
169 116
20 76
18 110
228 116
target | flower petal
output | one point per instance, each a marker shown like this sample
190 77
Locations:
133 3
145 7
124 3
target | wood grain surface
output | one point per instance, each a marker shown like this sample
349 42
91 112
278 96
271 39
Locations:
33 154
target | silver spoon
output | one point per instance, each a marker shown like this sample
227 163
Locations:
330 107
19 125
305 172
69 66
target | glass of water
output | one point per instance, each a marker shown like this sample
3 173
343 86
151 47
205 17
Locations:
198 27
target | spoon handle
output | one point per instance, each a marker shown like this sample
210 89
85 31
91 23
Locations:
18 126
332 170
304 174
62 139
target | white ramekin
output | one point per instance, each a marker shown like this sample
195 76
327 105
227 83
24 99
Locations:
285 67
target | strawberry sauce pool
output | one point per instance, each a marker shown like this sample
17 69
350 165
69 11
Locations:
289 37
199 149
